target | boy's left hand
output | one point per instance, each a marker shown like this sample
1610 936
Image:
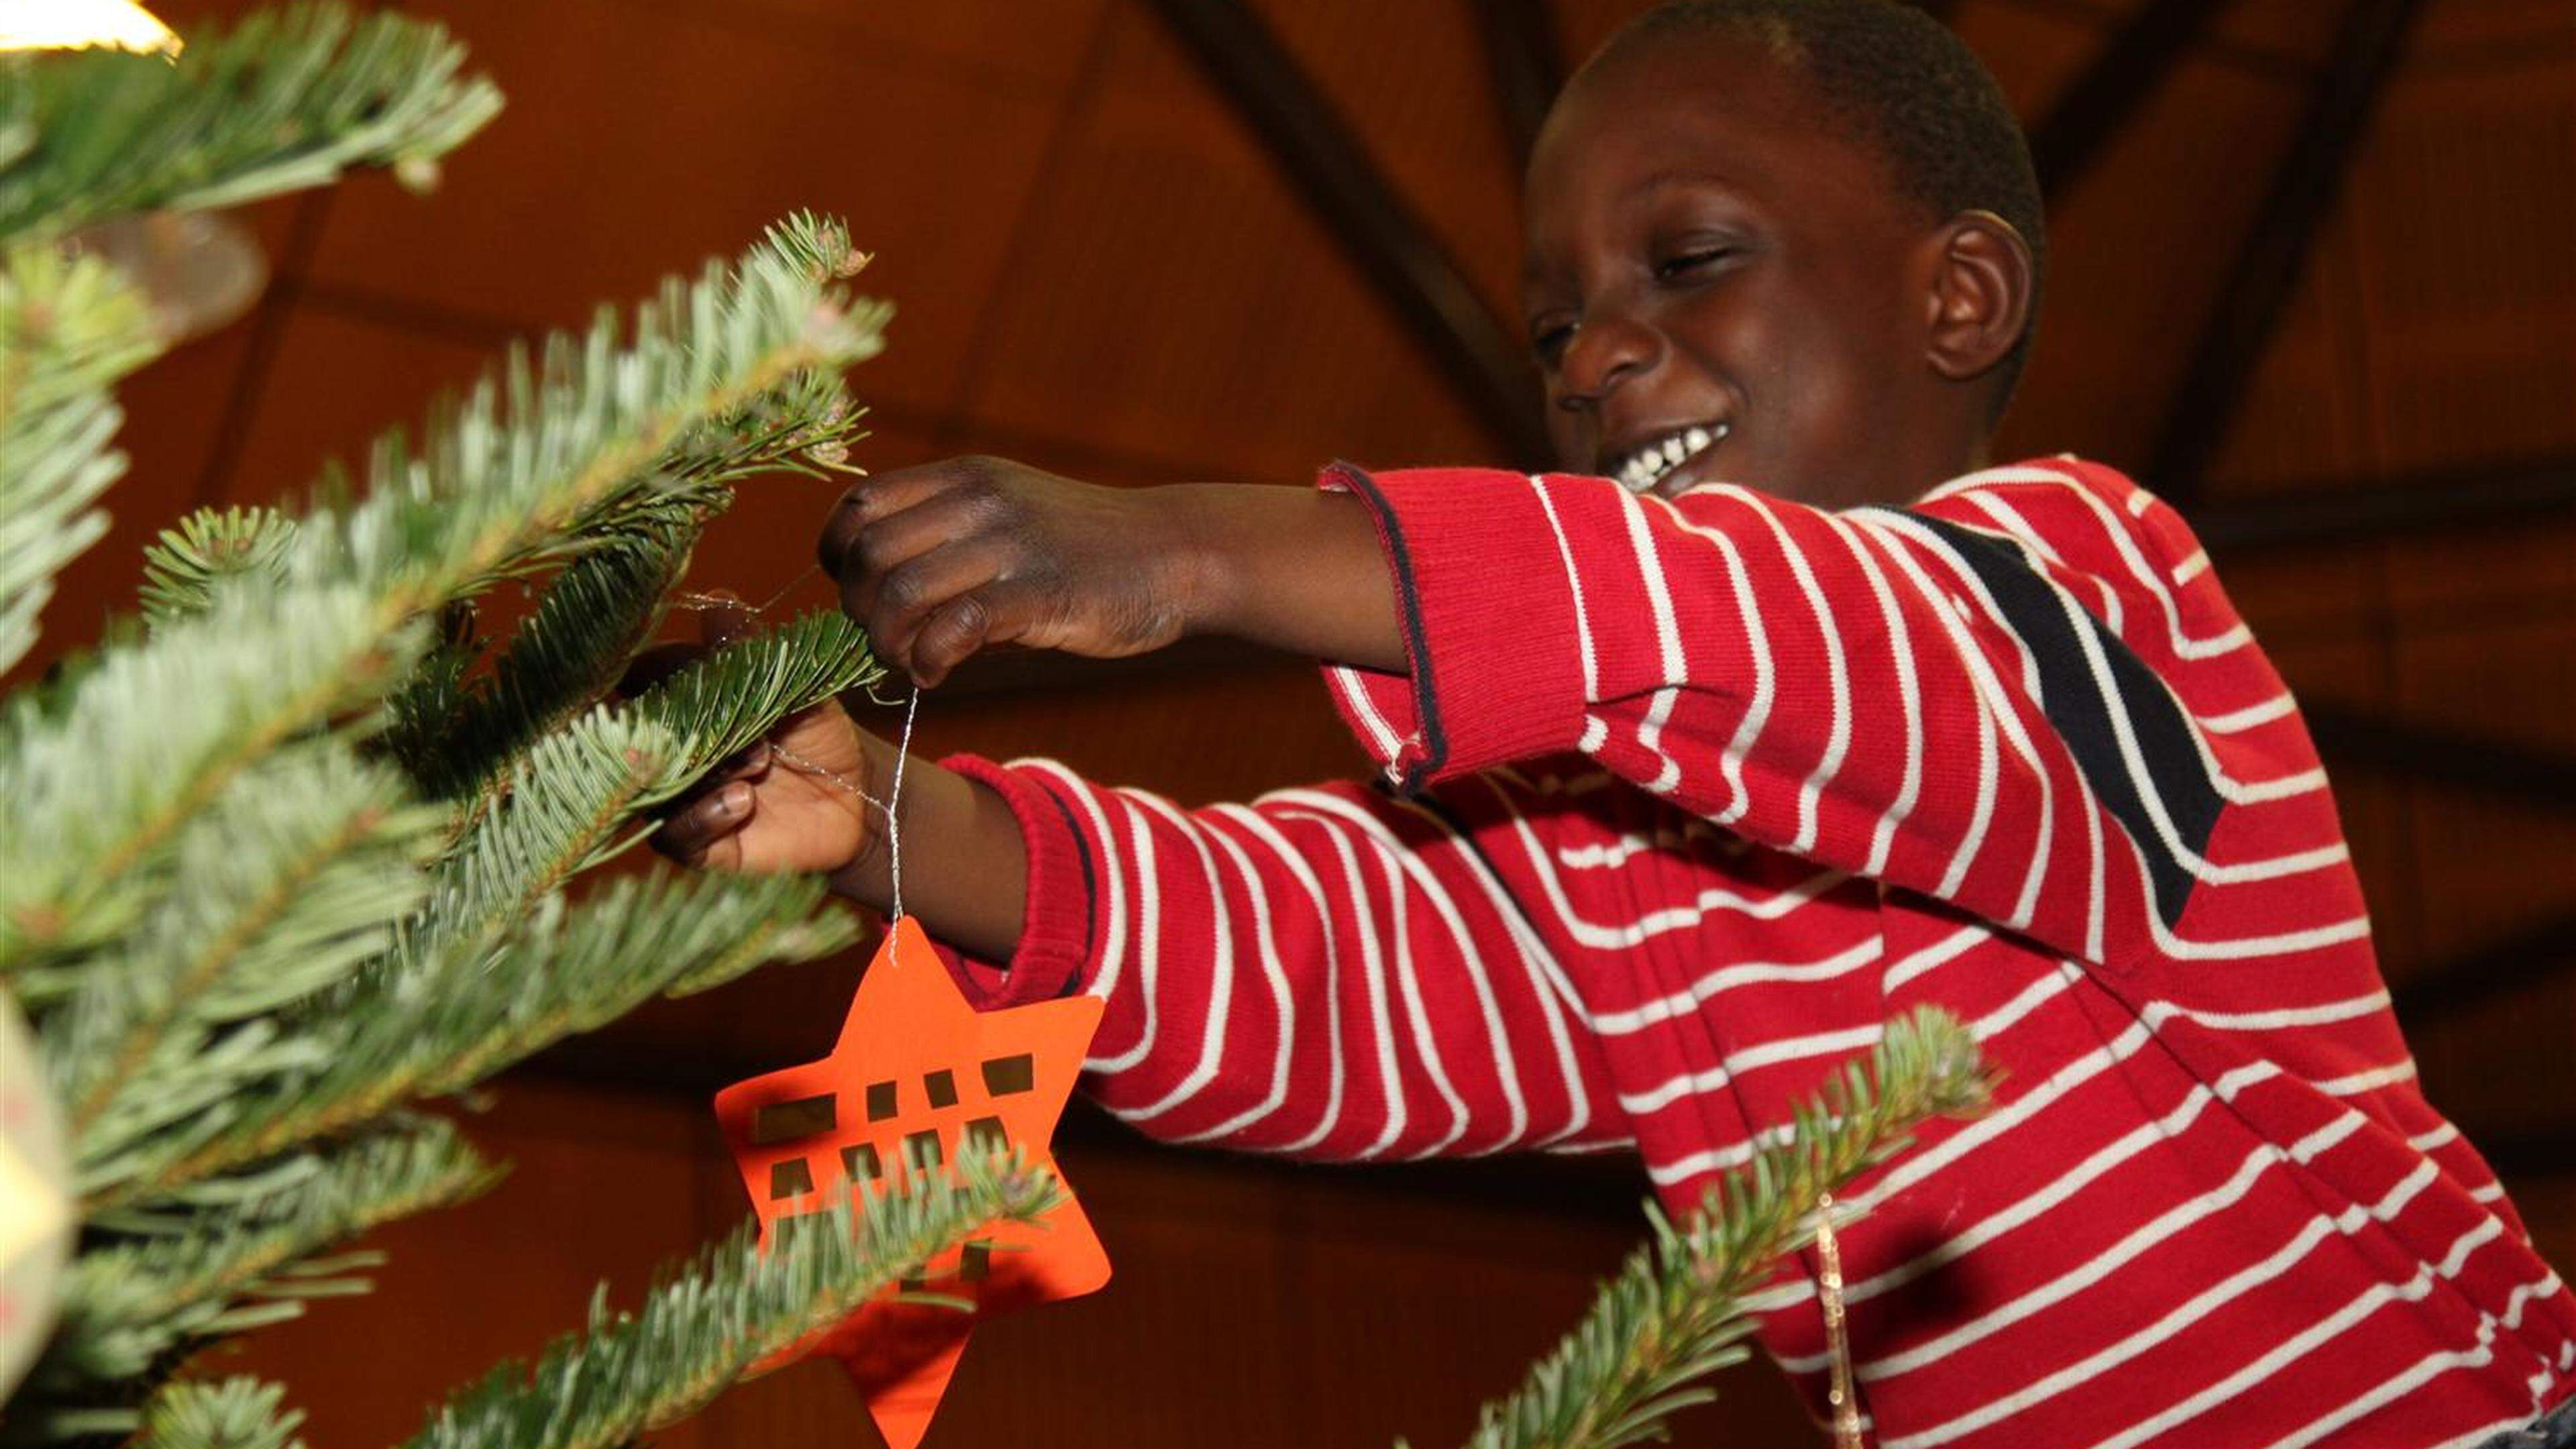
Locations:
944 560
785 804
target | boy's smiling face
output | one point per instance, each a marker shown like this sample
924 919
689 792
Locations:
1724 283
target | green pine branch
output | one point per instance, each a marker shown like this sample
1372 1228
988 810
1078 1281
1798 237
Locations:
280 102
546 455
558 811
438 1017
246 939
237 1253
806 424
563 659
701 1330
1674 1315
300 873
99 774
237 1413
208 549
566 802
69 328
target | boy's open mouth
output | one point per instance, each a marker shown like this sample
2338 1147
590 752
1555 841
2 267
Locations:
1656 459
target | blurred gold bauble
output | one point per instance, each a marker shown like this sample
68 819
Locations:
36 1210
198 269
81 25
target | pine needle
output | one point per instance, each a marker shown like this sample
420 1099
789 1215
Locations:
237 1413
69 328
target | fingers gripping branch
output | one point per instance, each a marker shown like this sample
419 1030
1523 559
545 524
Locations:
944 561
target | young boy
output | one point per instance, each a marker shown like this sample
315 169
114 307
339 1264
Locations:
1712 753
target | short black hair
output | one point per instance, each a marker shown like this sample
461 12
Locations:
1907 87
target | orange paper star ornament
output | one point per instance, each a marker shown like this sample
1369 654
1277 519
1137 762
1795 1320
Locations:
920 1075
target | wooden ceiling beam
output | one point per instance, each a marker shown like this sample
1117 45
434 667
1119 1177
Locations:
2545 1153
1484 360
2436 755
2100 101
2435 500
2447 988
1528 65
2268 263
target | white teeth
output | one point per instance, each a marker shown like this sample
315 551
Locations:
1650 464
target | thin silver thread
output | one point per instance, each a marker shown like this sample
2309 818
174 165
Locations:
890 807
699 603
894 798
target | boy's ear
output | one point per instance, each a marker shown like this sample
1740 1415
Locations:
1980 295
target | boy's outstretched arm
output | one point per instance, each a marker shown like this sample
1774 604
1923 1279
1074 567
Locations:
945 560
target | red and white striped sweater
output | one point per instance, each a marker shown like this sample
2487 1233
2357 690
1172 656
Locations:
1691 796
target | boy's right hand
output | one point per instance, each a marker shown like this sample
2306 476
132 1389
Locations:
945 560
942 561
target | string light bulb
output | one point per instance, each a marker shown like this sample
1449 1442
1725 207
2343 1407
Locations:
83 25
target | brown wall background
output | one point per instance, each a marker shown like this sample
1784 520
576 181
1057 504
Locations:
1100 271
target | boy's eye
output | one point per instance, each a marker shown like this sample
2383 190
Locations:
1549 340
1683 264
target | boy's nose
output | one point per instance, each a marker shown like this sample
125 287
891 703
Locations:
1604 353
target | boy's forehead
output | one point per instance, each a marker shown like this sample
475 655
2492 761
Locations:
1733 109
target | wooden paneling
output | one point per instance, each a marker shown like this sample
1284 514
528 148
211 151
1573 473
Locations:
2296 595
638 142
1178 303
2491 33
2501 1069
334 384
1027 45
2137 262
1414 82
2305 425
2480 577
2489 866
2470 317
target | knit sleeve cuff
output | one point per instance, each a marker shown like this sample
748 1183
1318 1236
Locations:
1492 631
1056 927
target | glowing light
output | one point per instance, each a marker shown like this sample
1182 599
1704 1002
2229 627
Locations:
82 25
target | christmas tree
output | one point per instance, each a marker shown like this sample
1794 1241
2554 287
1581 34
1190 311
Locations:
293 852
